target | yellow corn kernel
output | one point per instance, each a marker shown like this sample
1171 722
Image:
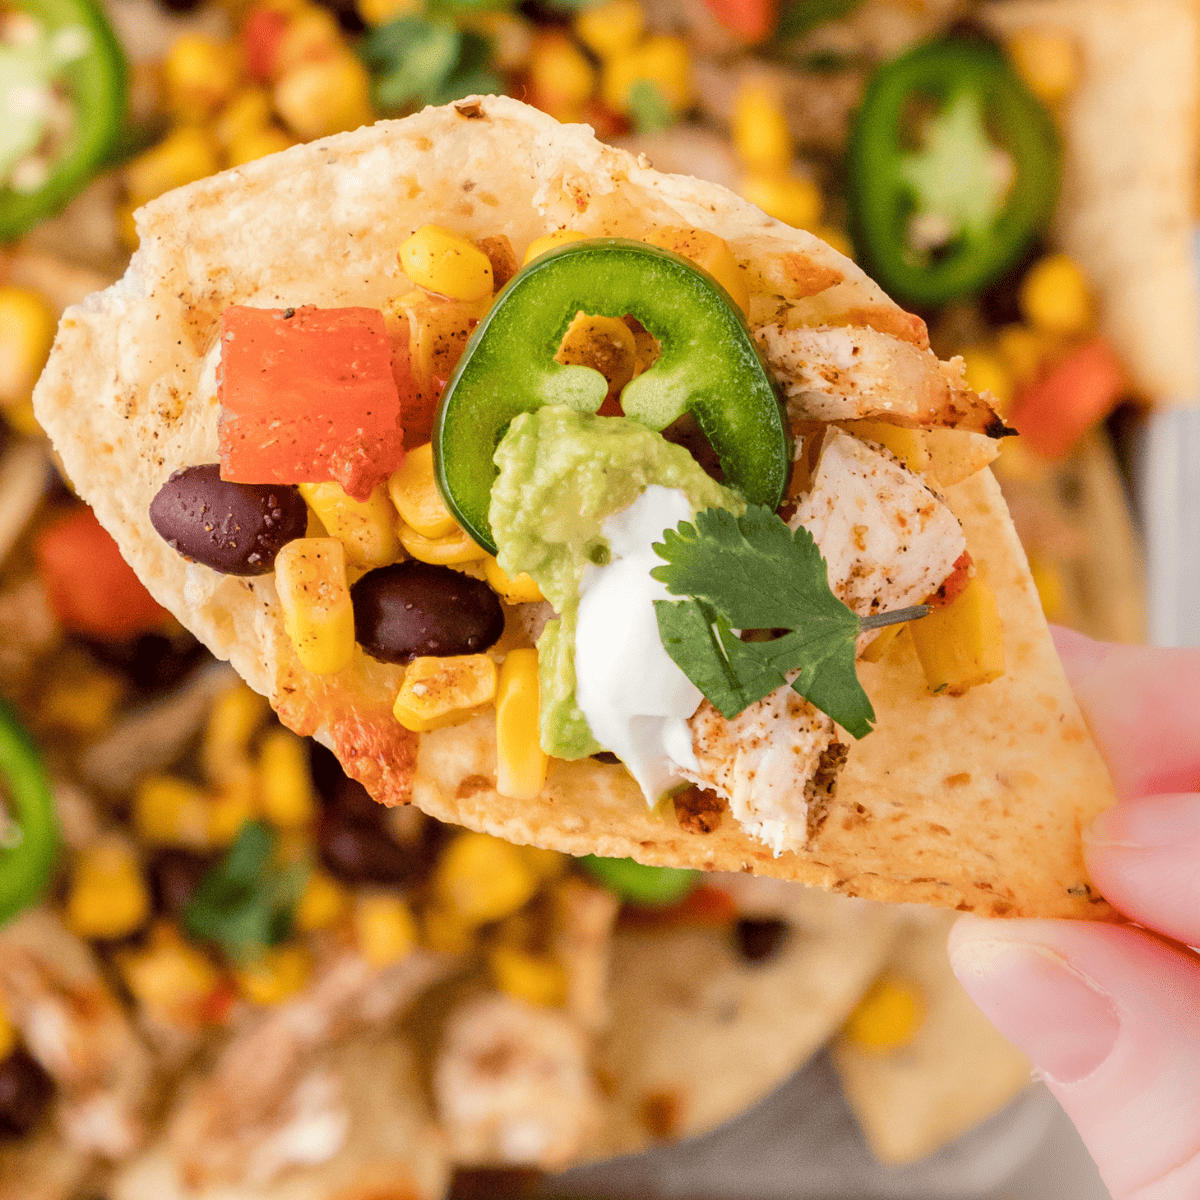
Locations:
1048 580
199 75
235 802
438 330
438 260
444 691
257 143
483 879
169 811
444 930
662 60
21 419
611 28
323 903
169 976
831 235
545 864
366 528
247 113
275 975
237 714
710 252
792 199
27 325
107 897
760 129
456 547
888 1017
187 154
381 12
8 1033
328 95
385 930
288 801
908 445
414 494
1048 62
520 589
538 978
1023 350
83 706
310 576
986 371
312 33
561 75
1054 297
520 760
605 344
961 645
560 237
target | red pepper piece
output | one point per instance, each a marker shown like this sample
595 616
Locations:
308 395
262 32
750 21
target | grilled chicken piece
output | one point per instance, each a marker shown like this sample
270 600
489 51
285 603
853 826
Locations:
513 1084
889 542
584 917
842 373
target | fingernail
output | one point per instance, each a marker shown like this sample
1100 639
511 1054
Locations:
1063 1021
1149 822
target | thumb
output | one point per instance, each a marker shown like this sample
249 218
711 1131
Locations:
1107 1014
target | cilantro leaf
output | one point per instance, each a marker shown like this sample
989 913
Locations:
752 573
649 108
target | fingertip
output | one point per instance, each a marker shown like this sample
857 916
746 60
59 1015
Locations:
1079 655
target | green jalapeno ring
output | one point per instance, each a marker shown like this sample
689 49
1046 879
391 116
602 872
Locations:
635 883
26 859
709 366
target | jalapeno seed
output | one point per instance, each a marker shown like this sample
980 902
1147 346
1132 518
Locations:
234 528
413 609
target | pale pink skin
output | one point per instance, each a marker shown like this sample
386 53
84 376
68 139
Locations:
1110 1015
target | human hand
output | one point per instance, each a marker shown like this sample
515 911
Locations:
1110 1015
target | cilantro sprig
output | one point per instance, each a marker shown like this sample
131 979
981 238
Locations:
754 573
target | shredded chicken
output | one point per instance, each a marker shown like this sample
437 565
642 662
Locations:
840 373
584 916
513 1084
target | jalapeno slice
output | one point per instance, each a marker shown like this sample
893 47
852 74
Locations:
29 835
708 366
647 887
63 52
953 169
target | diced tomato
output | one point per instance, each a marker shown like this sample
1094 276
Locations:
954 584
91 588
262 32
308 395
705 906
750 21
1053 412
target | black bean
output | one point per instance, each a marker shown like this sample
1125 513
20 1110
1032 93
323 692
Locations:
25 1091
153 662
174 876
356 845
412 609
758 940
234 528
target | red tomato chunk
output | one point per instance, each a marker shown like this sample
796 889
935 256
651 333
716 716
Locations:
308 395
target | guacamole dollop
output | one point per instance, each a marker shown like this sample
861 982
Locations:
562 473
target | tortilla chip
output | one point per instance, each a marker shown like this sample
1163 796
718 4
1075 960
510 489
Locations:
974 803
956 1071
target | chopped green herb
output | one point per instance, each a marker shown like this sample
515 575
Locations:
649 108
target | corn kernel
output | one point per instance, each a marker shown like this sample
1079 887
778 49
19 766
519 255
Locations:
312 34
545 864
27 325
237 714
538 978
986 371
258 143
326 96
187 154
366 528
169 976
604 344
792 199
1023 351
561 76
323 903
961 645
1048 579
710 252
760 130
248 112
310 576
1054 297
831 235
551 241
519 589
661 60
107 897
444 691
612 27
456 547
288 801
414 493
384 928
521 763
1048 62
8 1033
483 879
438 330
82 706
888 1017
235 803
381 12
438 260
169 811
444 930
199 75
275 975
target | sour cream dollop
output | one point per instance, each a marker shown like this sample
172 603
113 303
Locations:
636 700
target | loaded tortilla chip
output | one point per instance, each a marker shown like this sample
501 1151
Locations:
689 463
